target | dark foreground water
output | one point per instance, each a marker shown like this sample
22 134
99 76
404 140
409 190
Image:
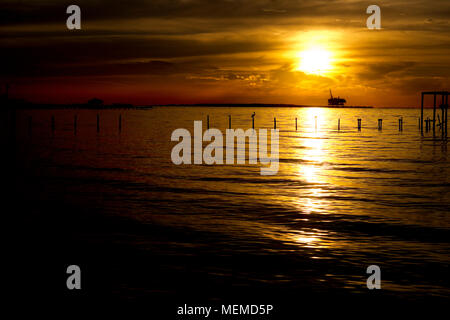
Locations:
145 230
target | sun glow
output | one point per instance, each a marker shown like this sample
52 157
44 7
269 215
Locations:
315 61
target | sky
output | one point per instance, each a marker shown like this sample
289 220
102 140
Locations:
225 51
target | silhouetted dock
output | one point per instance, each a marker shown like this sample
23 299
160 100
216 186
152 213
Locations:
443 126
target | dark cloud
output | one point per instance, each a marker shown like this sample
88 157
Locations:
380 70
114 69
48 11
16 12
69 54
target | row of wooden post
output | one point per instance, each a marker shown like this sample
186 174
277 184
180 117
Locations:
75 123
359 123
380 123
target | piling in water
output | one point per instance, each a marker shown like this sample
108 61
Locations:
443 105
445 120
446 114
274 123
339 124
359 124
207 121
421 114
434 113
380 124
295 124
229 121
400 124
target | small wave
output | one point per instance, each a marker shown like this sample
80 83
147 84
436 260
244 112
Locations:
375 170
88 168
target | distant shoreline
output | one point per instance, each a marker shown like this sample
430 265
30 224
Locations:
257 105
32 106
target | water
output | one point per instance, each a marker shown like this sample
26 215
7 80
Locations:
341 201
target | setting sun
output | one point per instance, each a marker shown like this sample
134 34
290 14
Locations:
314 61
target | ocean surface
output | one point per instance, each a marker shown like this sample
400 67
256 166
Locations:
143 228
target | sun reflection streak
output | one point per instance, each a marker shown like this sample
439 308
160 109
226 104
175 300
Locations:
311 239
309 170
313 152
307 240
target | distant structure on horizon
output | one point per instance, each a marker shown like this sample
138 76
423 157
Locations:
95 102
336 101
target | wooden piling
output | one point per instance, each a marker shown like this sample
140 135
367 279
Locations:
229 121
207 121
295 124
339 124
380 124
275 123
421 114
446 113
400 124
434 113
253 122
359 124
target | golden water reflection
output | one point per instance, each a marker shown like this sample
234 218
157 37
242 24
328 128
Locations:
309 170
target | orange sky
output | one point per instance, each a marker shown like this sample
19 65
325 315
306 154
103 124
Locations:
225 51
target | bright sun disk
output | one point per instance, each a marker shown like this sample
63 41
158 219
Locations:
314 61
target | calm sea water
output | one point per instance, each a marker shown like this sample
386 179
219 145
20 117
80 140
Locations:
341 201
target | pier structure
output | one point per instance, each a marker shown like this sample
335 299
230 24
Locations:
441 96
